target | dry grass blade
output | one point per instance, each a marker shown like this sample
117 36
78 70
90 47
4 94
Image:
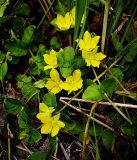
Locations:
126 105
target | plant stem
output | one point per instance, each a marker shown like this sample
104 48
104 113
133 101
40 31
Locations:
86 131
104 30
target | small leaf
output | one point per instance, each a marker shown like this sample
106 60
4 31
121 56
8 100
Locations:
69 124
108 139
116 42
108 86
69 54
129 130
3 7
3 70
29 91
50 100
65 72
38 156
40 84
28 34
17 48
54 43
12 106
92 93
99 130
35 136
23 9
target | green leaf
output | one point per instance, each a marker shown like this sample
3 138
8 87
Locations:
117 73
24 134
28 35
108 139
38 156
78 62
92 93
17 48
23 9
65 72
116 42
129 130
35 136
3 7
77 129
2 57
99 130
50 100
40 84
130 53
108 86
53 143
54 43
29 91
69 54
3 70
69 124
13 106
24 118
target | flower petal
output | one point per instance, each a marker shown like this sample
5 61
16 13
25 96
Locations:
54 75
44 117
56 117
54 131
99 56
46 128
94 41
77 75
61 124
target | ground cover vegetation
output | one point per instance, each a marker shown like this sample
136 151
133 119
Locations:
68 86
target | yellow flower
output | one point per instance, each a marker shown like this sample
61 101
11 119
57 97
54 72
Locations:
63 23
52 125
88 43
93 57
72 13
73 83
53 84
51 60
45 112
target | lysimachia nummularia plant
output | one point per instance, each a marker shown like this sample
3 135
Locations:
64 71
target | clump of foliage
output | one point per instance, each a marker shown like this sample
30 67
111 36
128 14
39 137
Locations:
57 62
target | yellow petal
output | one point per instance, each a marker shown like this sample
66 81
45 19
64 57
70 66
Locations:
87 39
82 45
43 107
68 20
65 86
55 90
56 117
54 75
51 58
95 63
53 86
50 67
54 131
60 21
99 56
61 124
44 117
77 75
46 128
94 41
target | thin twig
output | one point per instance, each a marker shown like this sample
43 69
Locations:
104 30
23 149
64 152
86 132
102 103
94 119
26 148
